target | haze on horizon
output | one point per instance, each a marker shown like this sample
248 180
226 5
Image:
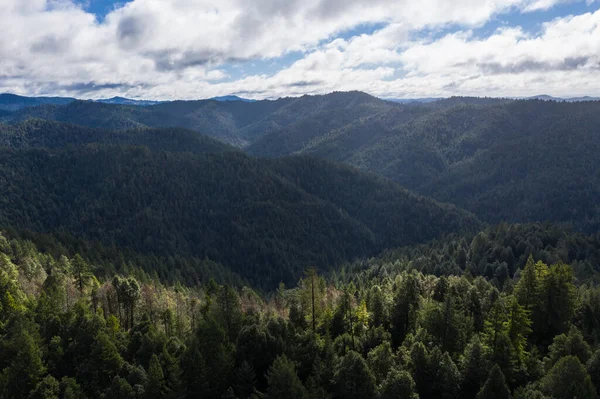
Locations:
187 49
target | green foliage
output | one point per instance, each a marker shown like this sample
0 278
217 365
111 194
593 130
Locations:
435 337
406 305
571 344
21 363
283 381
568 379
265 220
495 387
502 160
48 388
156 379
398 385
353 379
593 369
474 366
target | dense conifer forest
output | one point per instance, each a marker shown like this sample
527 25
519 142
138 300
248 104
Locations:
142 259
499 322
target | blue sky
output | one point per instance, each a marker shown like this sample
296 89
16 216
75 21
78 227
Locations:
167 49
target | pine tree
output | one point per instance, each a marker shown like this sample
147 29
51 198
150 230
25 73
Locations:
380 361
23 353
571 344
48 388
120 389
80 271
496 335
593 368
406 306
245 380
474 368
229 311
518 327
528 287
156 380
398 385
568 379
353 379
558 300
495 387
377 307
283 382
445 377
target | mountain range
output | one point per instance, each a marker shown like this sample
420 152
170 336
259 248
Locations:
13 102
501 159
310 180
172 191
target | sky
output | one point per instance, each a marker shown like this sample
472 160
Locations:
265 49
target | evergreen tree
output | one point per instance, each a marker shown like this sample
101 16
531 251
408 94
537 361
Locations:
120 389
518 327
398 385
283 382
48 388
381 361
245 380
377 307
228 311
80 271
156 380
495 387
558 300
23 355
353 379
474 368
571 344
406 306
593 369
528 288
444 377
568 379
70 389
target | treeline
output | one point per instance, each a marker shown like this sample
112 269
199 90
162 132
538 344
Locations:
65 333
497 253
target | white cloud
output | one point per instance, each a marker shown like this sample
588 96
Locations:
176 48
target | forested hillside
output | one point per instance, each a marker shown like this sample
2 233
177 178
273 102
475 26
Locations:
513 161
386 329
12 102
39 133
143 262
266 220
503 160
234 122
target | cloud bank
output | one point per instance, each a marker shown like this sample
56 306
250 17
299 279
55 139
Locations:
167 49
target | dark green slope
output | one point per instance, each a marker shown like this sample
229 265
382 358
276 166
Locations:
538 161
392 213
502 160
234 122
265 220
333 122
35 133
13 102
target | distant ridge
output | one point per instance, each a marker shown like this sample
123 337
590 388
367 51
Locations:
232 98
14 102
413 100
546 97
127 101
